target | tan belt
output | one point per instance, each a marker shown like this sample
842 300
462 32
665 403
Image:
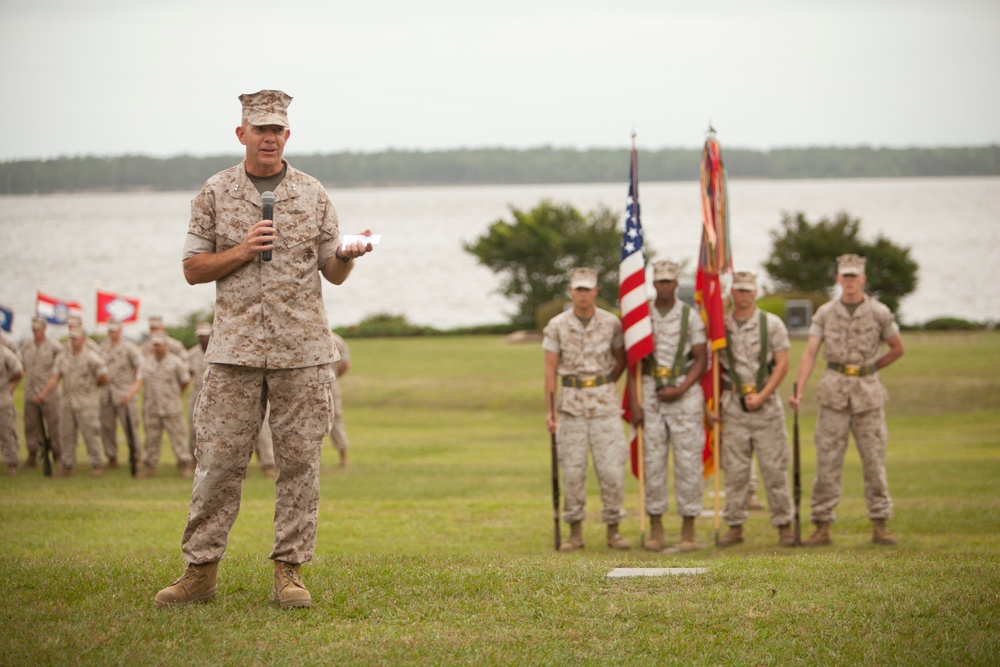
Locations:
853 370
586 382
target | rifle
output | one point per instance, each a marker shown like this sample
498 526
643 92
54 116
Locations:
46 446
555 474
133 456
796 476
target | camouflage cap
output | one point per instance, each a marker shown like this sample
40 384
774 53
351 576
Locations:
266 107
77 333
850 265
665 270
203 329
74 321
38 323
158 339
155 322
745 280
583 277
114 325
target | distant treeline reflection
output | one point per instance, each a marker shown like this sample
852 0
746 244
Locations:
484 166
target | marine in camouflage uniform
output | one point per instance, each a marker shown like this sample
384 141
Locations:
585 353
754 363
39 358
83 372
119 396
164 378
197 367
270 342
854 332
673 409
11 372
338 434
174 346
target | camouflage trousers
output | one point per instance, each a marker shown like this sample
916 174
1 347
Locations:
744 434
192 434
339 432
871 437
686 432
8 429
87 421
605 438
228 418
49 411
111 416
174 426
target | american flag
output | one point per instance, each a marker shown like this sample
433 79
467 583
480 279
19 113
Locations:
632 299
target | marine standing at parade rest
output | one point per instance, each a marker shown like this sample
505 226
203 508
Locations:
197 366
754 363
854 332
338 434
585 353
39 358
120 394
164 378
82 372
11 372
673 409
270 343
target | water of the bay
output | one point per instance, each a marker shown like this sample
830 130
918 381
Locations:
69 245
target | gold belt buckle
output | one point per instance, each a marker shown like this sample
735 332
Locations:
749 389
662 372
852 370
587 383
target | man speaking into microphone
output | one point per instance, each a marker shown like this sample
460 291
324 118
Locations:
271 342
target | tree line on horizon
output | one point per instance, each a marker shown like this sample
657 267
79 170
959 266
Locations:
498 166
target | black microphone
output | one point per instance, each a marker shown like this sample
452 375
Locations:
267 199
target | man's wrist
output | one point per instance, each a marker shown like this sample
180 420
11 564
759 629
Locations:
345 260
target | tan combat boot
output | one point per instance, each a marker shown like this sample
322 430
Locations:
786 536
289 591
754 503
197 584
615 540
688 542
575 540
880 533
32 461
820 537
733 536
146 471
656 541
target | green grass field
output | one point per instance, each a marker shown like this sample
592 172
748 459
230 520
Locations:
435 544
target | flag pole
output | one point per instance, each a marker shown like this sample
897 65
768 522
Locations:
716 430
640 459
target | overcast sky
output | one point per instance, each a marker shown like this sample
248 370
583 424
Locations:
109 77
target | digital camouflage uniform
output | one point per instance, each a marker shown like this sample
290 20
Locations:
761 431
124 362
10 366
680 422
270 341
81 404
851 404
589 416
162 408
39 362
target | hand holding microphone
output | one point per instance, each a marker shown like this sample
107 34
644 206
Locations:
267 213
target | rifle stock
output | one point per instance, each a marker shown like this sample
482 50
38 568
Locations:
796 473
47 454
555 476
133 455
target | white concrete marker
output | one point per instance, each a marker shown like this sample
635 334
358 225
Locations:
621 572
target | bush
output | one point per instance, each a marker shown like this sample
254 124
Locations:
384 325
952 324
